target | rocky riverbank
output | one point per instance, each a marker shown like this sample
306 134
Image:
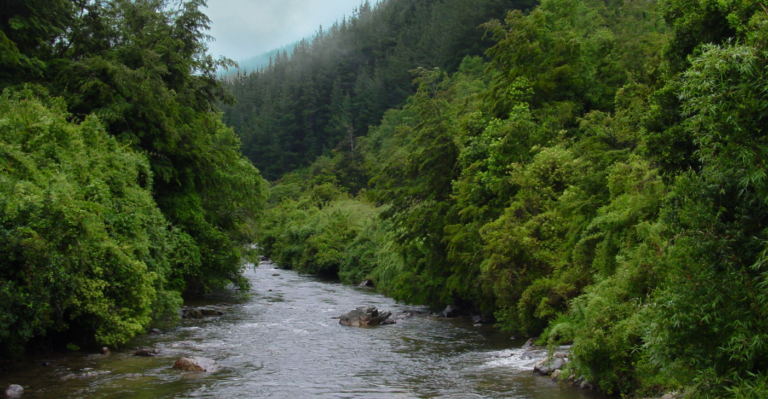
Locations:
552 364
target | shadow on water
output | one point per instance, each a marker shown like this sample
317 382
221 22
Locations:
280 341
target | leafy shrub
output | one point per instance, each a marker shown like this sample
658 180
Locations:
83 244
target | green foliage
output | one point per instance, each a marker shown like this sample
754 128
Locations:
600 181
314 234
84 246
155 87
29 30
141 70
332 88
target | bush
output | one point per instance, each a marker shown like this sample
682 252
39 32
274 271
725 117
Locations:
83 244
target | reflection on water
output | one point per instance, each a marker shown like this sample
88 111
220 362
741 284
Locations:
282 343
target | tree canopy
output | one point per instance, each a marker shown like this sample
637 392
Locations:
178 201
597 180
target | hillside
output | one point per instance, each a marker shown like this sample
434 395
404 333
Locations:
596 178
337 84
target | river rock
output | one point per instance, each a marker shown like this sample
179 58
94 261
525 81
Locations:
534 354
188 313
14 391
105 351
482 319
556 374
199 313
528 344
365 316
211 312
147 352
450 311
366 283
405 315
548 366
196 364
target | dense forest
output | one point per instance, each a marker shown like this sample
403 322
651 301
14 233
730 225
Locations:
588 172
120 187
331 88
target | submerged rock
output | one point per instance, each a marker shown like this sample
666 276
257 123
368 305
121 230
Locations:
405 315
365 316
188 313
196 364
199 313
147 352
14 391
450 311
483 319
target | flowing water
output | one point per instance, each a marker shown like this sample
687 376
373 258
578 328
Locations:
281 342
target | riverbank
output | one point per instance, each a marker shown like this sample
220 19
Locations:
281 342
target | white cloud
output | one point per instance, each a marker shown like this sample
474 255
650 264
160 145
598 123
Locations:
244 28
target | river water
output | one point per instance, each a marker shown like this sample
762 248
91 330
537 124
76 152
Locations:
281 342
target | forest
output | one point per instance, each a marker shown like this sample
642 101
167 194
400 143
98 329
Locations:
588 172
120 187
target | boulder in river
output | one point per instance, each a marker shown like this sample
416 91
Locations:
365 316
14 391
450 311
548 366
196 363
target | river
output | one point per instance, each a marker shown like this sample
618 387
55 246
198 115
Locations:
281 342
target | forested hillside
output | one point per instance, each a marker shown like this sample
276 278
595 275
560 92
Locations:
120 187
333 87
597 178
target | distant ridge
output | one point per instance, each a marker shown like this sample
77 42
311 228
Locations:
258 61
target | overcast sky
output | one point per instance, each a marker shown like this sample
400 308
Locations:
246 28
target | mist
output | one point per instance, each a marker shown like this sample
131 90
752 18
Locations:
245 28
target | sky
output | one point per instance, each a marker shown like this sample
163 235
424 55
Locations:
245 28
